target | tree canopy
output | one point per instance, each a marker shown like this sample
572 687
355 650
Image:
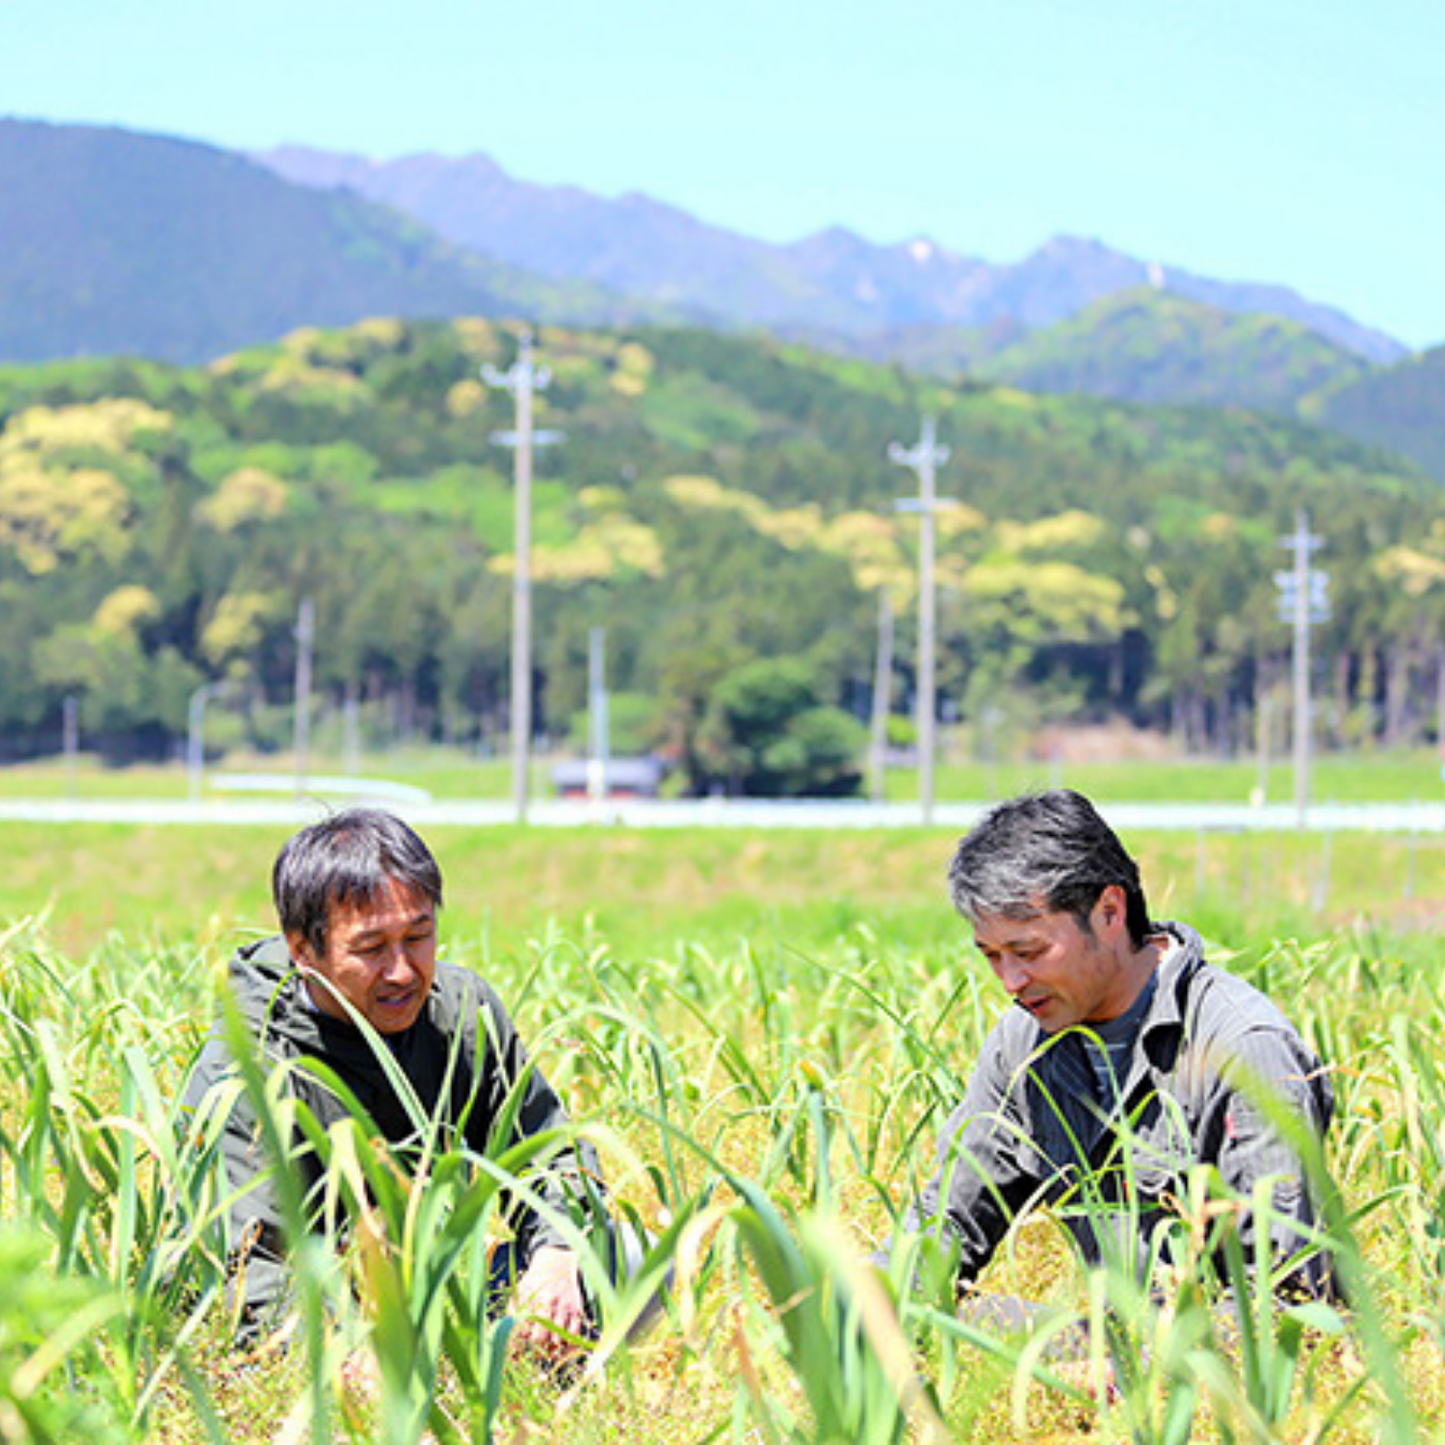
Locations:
719 502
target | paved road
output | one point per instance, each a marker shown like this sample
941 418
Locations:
729 813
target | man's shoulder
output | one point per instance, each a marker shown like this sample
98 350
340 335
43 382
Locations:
1228 1022
458 995
1011 1042
268 956
260 973
1220 1005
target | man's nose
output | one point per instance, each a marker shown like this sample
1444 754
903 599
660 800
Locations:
398 962
1012 975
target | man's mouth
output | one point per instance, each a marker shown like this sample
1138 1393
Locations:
1033 1005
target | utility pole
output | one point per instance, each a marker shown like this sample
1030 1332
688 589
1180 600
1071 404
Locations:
70 738
923 458
1303 601
599 751
351 733
522 378
882 689
1262 722
196 735
1440 705
305 637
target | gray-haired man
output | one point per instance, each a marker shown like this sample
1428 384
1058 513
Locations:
1126 1060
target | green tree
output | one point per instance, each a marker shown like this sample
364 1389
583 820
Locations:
767 735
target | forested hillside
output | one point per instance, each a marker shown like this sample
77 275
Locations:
1401 407
144 245
1148 346
717 501
118 243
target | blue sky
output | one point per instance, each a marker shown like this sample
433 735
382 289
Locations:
1263 140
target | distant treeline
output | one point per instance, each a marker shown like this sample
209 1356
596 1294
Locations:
718 501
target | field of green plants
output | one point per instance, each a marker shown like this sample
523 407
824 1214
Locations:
1388 775
762 1034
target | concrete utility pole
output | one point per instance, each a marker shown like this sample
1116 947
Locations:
922 458
70 738
1303 601
1261 742
351 733
882 690
1440 705
196 735
305 637
599 751
522 378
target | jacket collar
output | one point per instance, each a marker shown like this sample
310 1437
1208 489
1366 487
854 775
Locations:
1164 1024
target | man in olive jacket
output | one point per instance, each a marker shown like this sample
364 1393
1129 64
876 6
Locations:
357 895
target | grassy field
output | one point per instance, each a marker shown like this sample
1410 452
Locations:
1339 778
640 888
442 772
762 1033
451 774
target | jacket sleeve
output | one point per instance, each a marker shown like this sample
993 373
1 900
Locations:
570 1178
1266 1071
987 1167
260 1283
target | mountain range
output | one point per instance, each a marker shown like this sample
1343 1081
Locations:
1075 315
116 242
831 282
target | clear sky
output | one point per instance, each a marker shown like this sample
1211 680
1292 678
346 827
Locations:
1291 141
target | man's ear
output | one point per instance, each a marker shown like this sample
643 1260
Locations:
301 951
1111 911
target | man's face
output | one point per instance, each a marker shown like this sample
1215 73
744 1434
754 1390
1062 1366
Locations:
380 957
1061 973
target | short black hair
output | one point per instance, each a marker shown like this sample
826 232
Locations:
350 856
1052 847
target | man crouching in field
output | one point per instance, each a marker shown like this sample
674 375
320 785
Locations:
1126 1060
357 896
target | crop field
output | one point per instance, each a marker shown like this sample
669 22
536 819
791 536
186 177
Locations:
762 1034
1399 775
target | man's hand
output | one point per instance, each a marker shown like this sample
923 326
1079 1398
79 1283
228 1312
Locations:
1103 1384
549 1298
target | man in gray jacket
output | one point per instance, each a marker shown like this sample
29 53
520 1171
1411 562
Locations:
1126 1060
357 895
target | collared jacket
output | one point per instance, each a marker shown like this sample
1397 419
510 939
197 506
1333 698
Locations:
1207 1045
462 1014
